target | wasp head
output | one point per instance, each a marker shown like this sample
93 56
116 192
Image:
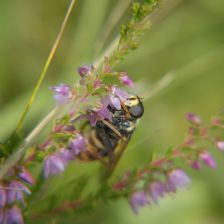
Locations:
135 106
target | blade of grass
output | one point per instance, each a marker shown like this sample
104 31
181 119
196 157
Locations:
45 68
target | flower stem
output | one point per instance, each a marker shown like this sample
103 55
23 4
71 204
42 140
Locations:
16 156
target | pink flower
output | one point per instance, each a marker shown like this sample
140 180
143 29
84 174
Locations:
78 144
177 179
62 93
123 95
13 215
157 189
2 196
196 165
138 199
66 155
54 165
85 70
207 159
220 145
125 79
16 192
115 102
104 113
193 118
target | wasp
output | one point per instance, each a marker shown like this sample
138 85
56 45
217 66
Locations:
108 139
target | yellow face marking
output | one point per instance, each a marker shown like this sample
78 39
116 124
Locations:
132 101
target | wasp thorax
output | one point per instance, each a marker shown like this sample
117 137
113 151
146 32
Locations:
135 106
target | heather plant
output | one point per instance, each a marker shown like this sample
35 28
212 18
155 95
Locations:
31 169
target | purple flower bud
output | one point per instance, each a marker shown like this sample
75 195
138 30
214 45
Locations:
196 165
53 165
13 216
157 189
177 179
193 118
2 197
78 144
62 93
124 78
137 200
207 159
85 70
220 145
26 176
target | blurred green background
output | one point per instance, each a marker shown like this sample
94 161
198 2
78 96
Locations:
187 41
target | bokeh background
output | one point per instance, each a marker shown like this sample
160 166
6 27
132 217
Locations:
186 40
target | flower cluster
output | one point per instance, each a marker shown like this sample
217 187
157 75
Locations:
62 93
12 195
71 142
197 133
156 185
58 161
162 176
175 179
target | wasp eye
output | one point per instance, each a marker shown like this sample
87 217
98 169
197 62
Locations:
137 111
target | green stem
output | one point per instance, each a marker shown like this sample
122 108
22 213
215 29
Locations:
16 156
46 66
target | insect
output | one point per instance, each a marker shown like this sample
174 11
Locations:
108 139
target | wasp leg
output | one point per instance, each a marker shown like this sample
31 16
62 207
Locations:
96 155
109 142
125 109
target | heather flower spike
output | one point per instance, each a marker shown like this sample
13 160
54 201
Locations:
177 179
137 200
207 159
62 93
125 79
